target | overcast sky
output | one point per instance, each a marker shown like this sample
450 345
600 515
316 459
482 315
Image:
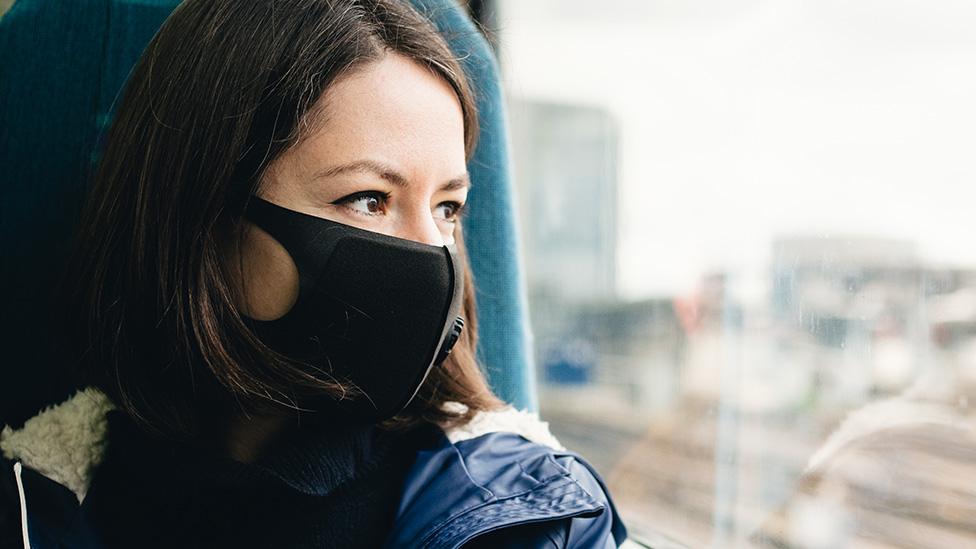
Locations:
746 120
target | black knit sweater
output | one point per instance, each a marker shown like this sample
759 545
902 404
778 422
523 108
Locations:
322 487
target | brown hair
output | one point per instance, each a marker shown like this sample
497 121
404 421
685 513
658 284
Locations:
222 90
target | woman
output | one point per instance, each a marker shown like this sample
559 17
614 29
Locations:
274 311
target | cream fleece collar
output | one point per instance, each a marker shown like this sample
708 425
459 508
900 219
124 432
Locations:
64 442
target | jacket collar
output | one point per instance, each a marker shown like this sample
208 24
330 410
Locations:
64 442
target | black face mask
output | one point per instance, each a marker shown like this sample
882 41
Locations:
372 310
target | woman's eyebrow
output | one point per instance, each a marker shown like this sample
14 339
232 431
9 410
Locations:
387 173
460 182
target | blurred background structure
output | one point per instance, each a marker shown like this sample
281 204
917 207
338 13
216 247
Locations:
750 261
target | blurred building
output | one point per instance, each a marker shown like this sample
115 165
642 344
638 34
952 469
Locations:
566 159
566 172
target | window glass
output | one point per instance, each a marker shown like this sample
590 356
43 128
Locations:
751 262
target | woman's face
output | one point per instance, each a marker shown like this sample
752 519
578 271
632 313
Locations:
387 155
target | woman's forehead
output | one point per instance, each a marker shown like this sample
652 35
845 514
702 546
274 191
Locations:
393 111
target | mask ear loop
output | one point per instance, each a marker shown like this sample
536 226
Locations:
452 333
452 338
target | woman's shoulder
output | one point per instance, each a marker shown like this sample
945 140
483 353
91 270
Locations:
500 472
503 471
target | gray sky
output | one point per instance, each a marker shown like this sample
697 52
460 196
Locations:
743 121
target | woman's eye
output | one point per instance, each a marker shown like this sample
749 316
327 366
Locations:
366 202
449 211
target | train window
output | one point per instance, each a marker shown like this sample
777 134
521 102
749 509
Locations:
750 252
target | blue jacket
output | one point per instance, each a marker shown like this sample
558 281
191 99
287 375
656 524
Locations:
486 487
